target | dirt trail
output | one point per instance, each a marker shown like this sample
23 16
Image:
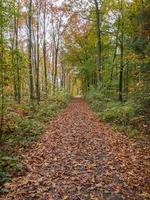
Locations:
80 158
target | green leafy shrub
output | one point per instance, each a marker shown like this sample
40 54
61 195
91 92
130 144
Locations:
10 164
120 113
28 125
3 177
110 110
25 126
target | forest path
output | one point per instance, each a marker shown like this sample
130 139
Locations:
80 158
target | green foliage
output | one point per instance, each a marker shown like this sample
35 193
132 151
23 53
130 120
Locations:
117 112
8 165
25 126
27 129
28 126
120 114
3 178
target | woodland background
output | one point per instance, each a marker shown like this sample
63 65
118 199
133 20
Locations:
51 50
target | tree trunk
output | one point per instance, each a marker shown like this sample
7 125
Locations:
31 89
99 45
44 48
1 72
13 64
121 56
18 85
55 68
38 59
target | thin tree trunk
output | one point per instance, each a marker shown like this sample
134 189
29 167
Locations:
38 60
127 81
121 72
13 64
2 74
17 59
62 76
31 89
53 63
34 56
44 48
55 68
121 56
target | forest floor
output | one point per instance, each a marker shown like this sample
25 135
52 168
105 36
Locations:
78 157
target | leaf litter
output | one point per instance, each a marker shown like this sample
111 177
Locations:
80 158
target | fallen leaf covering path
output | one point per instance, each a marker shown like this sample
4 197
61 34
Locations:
80 158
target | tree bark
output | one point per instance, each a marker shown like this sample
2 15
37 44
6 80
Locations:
99 45
55 68
121 56
1 71
44 48
13 63
18 85
31 89
38 58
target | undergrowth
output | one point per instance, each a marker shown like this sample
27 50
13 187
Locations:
128 116
22 127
